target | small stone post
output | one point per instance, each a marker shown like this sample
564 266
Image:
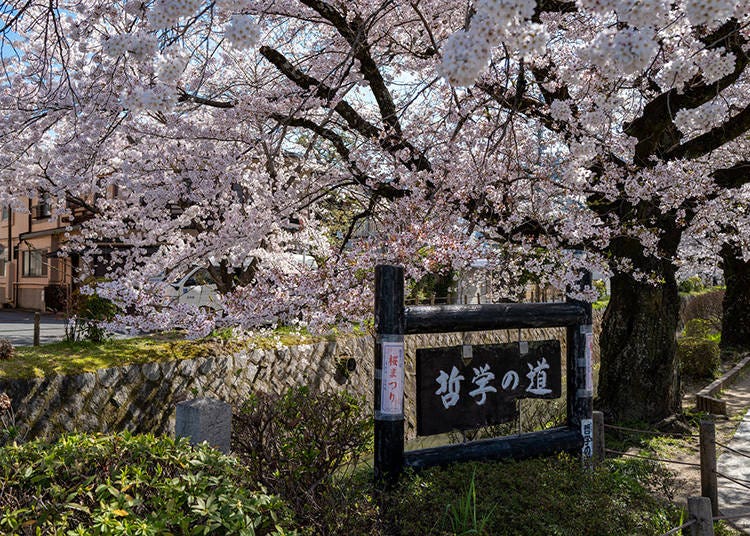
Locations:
205 419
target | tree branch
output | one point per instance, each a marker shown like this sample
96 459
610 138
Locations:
512 100
382 190
355 34
187 97
733 177
654 129
714 138
417 161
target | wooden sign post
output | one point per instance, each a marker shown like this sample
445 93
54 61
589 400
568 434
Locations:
389 373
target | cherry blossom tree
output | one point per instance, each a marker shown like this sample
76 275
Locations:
713 244
518 131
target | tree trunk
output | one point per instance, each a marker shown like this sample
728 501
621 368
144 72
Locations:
638 378
735 323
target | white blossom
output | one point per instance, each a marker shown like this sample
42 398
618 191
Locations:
242 32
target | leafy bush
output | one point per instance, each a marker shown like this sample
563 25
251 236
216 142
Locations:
126 484
554 496
698 357
299 444
691 284
87 313
6 350
601 289
699 328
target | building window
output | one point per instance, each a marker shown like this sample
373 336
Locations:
43 210
2 267
6 213
35 263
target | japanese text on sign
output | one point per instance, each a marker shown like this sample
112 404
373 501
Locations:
587 431
455 395
450 384
392 386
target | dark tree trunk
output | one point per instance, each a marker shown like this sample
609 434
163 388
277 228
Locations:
227 278
638 378
735 323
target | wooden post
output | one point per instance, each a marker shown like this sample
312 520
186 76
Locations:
709 486
598 455
37 322
580 388
699 508
490 316
389 374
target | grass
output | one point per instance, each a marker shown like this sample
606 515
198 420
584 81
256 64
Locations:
705 290
552 496
85 356
601 304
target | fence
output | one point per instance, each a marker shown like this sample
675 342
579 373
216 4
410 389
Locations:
700 509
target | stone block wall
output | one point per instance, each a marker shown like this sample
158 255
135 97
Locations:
142 398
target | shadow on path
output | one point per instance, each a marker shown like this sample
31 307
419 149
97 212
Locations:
734 498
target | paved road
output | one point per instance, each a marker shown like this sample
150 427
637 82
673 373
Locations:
18 327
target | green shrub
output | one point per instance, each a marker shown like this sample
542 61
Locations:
126 484
299 445
86 315
698 357
601 288
699 328
691 284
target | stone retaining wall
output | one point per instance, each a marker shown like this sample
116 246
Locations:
142 398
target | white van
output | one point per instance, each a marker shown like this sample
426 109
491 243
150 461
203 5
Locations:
197 288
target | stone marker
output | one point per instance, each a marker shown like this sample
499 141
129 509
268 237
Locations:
205 419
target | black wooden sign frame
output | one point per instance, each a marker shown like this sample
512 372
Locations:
393 321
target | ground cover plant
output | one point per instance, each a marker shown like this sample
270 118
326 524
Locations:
139 485
126 484
301 446
551 496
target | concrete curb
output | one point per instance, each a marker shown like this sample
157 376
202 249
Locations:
705 399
